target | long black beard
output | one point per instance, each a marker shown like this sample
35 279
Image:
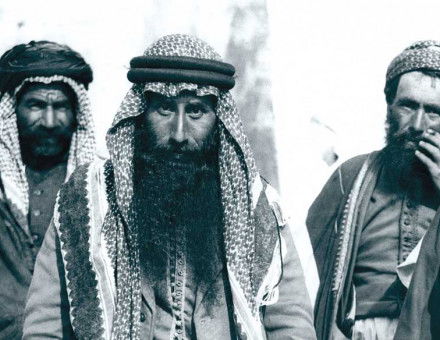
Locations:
169 196
400 163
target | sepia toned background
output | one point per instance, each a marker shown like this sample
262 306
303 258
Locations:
310 74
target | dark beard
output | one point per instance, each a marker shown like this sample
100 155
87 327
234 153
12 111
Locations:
173 195
42 148
401 165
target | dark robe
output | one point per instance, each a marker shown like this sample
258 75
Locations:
16 265
420 317
323 217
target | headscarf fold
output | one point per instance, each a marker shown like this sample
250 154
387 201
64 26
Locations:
238 174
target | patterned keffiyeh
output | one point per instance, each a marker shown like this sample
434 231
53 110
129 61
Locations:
238 176
40 62
12 169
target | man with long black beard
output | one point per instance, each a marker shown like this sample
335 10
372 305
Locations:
366 223
176 236
46 130
179 179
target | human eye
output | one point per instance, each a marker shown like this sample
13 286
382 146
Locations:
433 112
62 107
408 105
35 105
165 109
195 111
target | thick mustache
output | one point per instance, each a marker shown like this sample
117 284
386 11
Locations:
408 136
180 153
42 132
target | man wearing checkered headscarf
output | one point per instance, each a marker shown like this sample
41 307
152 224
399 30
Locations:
176 235
46 130
367 223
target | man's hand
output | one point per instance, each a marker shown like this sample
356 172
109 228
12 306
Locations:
429 154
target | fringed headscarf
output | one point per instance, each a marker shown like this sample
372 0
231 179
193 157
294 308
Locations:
40 62
238 174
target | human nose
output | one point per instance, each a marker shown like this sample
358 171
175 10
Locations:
178 131
419 120
48 118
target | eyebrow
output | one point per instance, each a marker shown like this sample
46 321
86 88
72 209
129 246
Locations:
406 100
43 103
43 99
34 100
196 102
166 101
433 107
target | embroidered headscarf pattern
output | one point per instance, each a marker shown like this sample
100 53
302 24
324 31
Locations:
423 54
82 147
237 174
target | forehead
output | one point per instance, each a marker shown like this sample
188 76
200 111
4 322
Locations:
420 87
183 97
40 91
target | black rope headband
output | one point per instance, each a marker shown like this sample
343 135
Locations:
41 58
182 69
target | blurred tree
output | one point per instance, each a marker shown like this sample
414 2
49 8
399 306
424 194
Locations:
248 50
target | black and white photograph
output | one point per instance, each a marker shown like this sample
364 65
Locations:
220 170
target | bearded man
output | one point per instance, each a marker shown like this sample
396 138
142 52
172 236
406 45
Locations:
176 236
375 208
46 130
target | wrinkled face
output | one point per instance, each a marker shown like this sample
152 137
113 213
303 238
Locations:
182 124
45 119
416 107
